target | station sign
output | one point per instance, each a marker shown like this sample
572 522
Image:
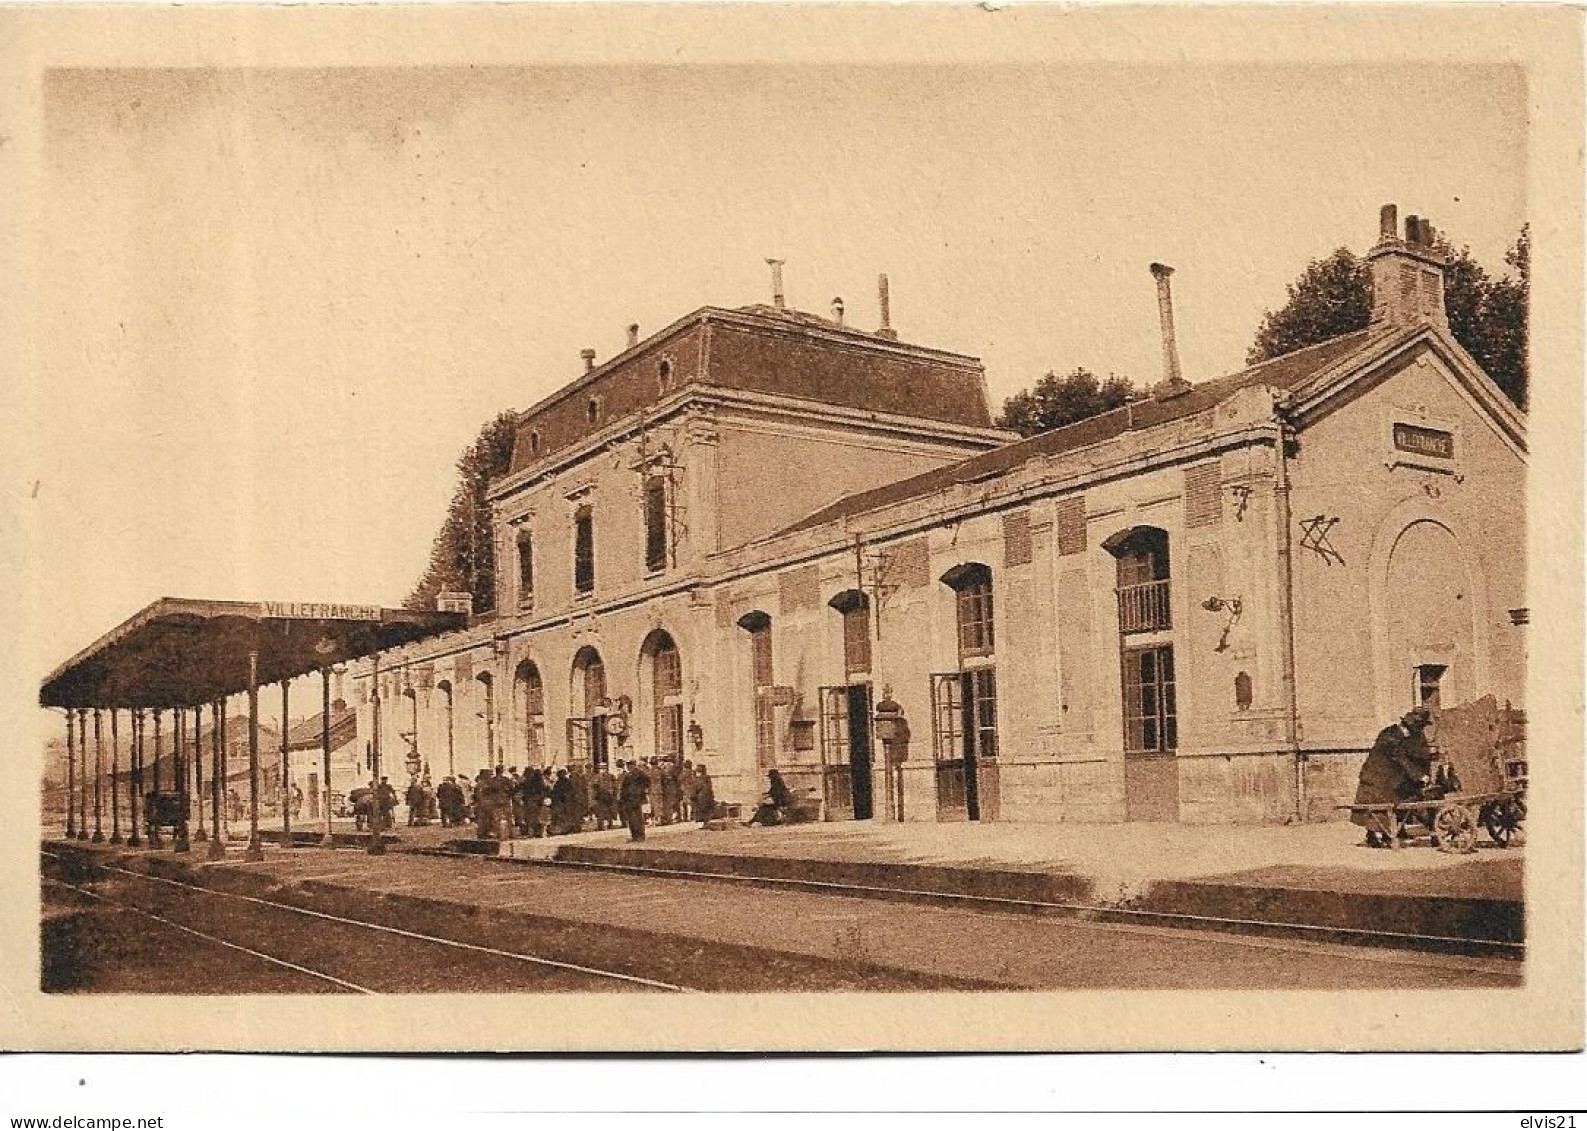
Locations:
1421 441
315 610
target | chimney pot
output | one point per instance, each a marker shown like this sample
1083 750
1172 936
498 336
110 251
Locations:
1388 223
633 334
837 310
777 298
884 305
589 359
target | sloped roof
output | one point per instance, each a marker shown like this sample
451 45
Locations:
1287 372
307 735
759 349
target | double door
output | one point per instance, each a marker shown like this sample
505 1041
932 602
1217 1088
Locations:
846 750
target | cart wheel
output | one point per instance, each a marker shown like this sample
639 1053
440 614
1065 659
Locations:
1503 820
1456 829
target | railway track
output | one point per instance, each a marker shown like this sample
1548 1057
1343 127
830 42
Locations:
342 921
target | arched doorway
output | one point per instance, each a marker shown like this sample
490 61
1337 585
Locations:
530 699
964 703
487 687
414 761
1431 619
846 715
661 692
587 738
445 688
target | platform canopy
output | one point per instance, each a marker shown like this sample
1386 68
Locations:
181 653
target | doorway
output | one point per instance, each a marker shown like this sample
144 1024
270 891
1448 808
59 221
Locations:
846 751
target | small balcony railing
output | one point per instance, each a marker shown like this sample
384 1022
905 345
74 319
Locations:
1144 607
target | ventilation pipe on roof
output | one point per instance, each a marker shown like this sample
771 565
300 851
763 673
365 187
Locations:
1173 383
884 305
589 359
837 310
633 334
778 299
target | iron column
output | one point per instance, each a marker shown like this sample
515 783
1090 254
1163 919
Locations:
325 747
217 846
115 772
255 851
155 839
71 777
82 785
286 772
179 770
135 774
376 809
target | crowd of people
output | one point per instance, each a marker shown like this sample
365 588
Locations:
554 801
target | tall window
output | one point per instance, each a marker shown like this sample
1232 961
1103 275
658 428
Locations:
666 694
758 625
445 688
655 524
532 702
1151 723
488 715
526 568
972 586
584 550
856 610
1142 573
1428 679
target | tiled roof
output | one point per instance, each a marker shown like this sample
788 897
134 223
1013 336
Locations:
1286 372
308 733
760 349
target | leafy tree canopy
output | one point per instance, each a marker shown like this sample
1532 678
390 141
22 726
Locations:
1333 296
463 555
1055 401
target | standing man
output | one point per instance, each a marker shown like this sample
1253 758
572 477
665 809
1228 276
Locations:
704 795
632 789
1396 769
534 801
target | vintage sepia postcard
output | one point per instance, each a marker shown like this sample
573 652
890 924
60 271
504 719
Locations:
819 528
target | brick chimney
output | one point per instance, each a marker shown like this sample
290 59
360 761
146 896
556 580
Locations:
633 335
885 307
778 299
1173 383
837 310
1407 273
589 359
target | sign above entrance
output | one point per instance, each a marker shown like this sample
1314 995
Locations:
1422 441
314 610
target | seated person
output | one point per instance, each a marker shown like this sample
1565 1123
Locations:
774 802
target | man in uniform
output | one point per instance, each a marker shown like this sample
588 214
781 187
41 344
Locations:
632 790
1396 769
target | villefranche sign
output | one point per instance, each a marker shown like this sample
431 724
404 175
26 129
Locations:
315 610
1424 441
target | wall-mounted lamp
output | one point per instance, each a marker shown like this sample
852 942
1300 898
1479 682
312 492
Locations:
696 735
1231 605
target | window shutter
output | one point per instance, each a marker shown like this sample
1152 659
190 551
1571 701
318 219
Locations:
1016 538
1203 501
1070 521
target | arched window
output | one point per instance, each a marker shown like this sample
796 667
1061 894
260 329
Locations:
1141 555
587 721
445 688
660 654
415 762
964 702
758 625
972 585
531 694
487 687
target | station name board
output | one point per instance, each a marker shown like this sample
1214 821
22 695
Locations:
1424 441
312 610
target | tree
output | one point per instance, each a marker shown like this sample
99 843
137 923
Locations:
1487 316
1055 401
463 555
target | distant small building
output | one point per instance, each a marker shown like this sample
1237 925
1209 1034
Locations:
305 746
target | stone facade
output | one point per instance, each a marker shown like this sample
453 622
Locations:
1199 607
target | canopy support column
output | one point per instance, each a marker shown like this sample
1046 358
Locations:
377 845
198 770
225 772
135 774
82 786
71 777
179 769
325 748
115 772
155 839
255 850
99 778
217 846
286 772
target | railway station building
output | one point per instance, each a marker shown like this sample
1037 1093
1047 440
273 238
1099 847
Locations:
765 538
